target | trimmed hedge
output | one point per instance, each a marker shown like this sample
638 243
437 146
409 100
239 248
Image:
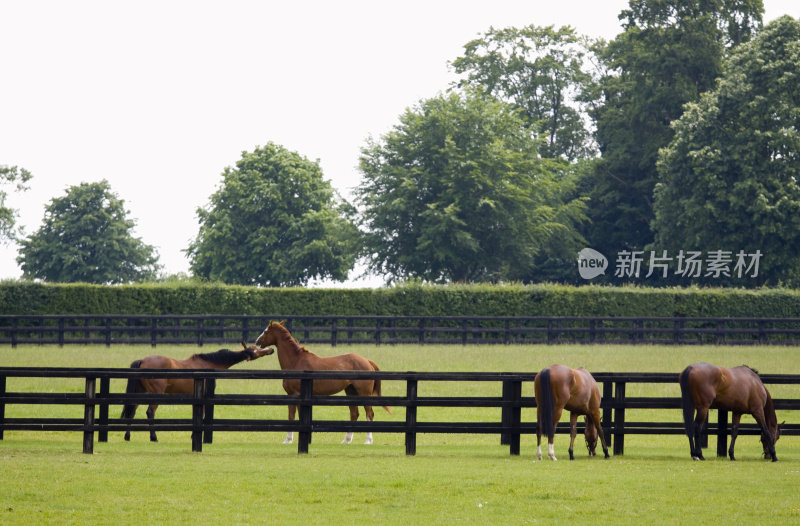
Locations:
19 297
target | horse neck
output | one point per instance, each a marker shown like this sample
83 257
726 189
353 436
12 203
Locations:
770 417
289 350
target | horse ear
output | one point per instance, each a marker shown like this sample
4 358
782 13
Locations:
283 323
244 345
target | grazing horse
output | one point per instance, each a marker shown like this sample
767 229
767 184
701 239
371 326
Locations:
558 387
293 356
738 390
222 359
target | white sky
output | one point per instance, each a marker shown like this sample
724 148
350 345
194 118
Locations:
158 97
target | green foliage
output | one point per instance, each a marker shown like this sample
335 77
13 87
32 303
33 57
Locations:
86 236
8 216
668 54
541 72
457 192
273 221
409 300
729 178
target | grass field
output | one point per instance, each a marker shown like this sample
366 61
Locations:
251 478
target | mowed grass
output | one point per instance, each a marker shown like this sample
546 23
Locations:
251 478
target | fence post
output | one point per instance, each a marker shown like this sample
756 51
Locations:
334 332
108 331
210 386
105 387
305 409
14 335
515 390
606 403
2 405
88 417
619 419
153 329
505 413
197 415
411 417
722 433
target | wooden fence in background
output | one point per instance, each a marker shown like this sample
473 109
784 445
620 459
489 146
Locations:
216 329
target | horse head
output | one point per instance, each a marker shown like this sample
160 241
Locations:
777 434
591 437
254 351
270 334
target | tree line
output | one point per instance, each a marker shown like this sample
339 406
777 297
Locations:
679 136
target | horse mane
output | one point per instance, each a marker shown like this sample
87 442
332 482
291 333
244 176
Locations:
754 370
224 357
286 335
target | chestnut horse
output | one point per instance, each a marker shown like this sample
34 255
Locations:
738 390
222 359
558 387
295 357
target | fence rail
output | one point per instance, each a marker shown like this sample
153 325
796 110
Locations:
510 424
213 329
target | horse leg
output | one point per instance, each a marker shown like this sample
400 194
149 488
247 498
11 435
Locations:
596 422
699 421
151 415
128 411
290 434
551 451
538 432
350 390
734 433
573 431
370 416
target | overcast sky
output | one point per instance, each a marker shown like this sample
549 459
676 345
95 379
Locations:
158 97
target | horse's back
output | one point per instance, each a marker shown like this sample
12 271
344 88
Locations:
156 361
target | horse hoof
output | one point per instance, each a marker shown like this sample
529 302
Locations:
553 457
539 457
287 441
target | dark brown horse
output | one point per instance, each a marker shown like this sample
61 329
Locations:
293 356
222 359
738 390
557 388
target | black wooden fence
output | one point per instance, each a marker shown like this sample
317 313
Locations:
333 330
510 424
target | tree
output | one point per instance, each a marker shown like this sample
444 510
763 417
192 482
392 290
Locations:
541 72
8 216
274 221
86 236
729 178
457 192
668 54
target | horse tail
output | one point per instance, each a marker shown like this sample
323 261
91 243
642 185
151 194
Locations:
687 403
376 386
134 386
547 403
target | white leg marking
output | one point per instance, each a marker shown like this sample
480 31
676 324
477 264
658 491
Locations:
348 438
289 437
551 452
539 452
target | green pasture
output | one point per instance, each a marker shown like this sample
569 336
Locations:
251 478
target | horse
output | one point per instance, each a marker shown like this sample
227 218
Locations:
293 356
222 359
558 387
738 390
